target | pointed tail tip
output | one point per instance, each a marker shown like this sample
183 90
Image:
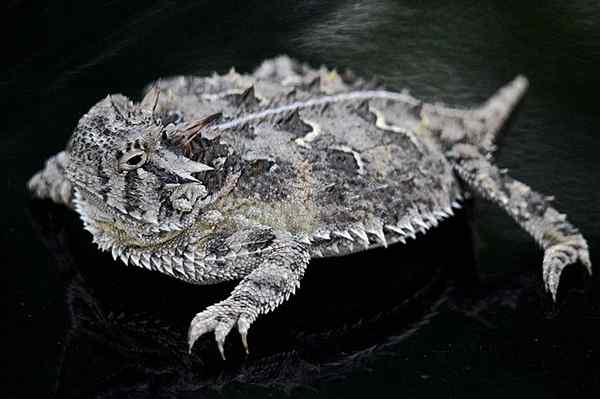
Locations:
497 109
501 104
511 93
520 84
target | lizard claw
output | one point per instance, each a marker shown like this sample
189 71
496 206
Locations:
559 256
220 318
198 327
243 326
221 332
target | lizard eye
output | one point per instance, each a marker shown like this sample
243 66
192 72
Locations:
132 160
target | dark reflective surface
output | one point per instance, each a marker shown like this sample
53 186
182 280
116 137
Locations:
459 313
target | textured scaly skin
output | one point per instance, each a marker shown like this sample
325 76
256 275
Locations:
247 177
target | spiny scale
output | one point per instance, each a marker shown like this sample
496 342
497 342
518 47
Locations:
341 242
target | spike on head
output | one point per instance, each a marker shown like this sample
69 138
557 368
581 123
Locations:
116 107
149 103
188 132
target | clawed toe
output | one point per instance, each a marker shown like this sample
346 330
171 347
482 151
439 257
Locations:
243 326
221 321
559 256
199 326
221 332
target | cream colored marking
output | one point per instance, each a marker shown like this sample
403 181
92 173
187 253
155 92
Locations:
423 125
381 123
310 136
315 102
356 155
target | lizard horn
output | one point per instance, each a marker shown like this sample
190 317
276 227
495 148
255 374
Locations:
150 100
191 130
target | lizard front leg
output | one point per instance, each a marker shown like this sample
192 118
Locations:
51 181
562 242
277 275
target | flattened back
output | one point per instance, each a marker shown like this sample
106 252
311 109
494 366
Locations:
350 175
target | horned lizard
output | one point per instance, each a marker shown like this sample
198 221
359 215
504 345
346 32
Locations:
249 176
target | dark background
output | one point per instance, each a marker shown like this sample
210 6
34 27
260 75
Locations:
458 313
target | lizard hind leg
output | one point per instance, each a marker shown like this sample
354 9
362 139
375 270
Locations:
562 242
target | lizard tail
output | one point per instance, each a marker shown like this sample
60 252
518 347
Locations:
494 113
477 126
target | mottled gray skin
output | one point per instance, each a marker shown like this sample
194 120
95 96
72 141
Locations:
250 176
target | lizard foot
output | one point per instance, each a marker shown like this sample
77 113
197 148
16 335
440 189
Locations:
221 318
561 255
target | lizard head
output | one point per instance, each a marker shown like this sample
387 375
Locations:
130 172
